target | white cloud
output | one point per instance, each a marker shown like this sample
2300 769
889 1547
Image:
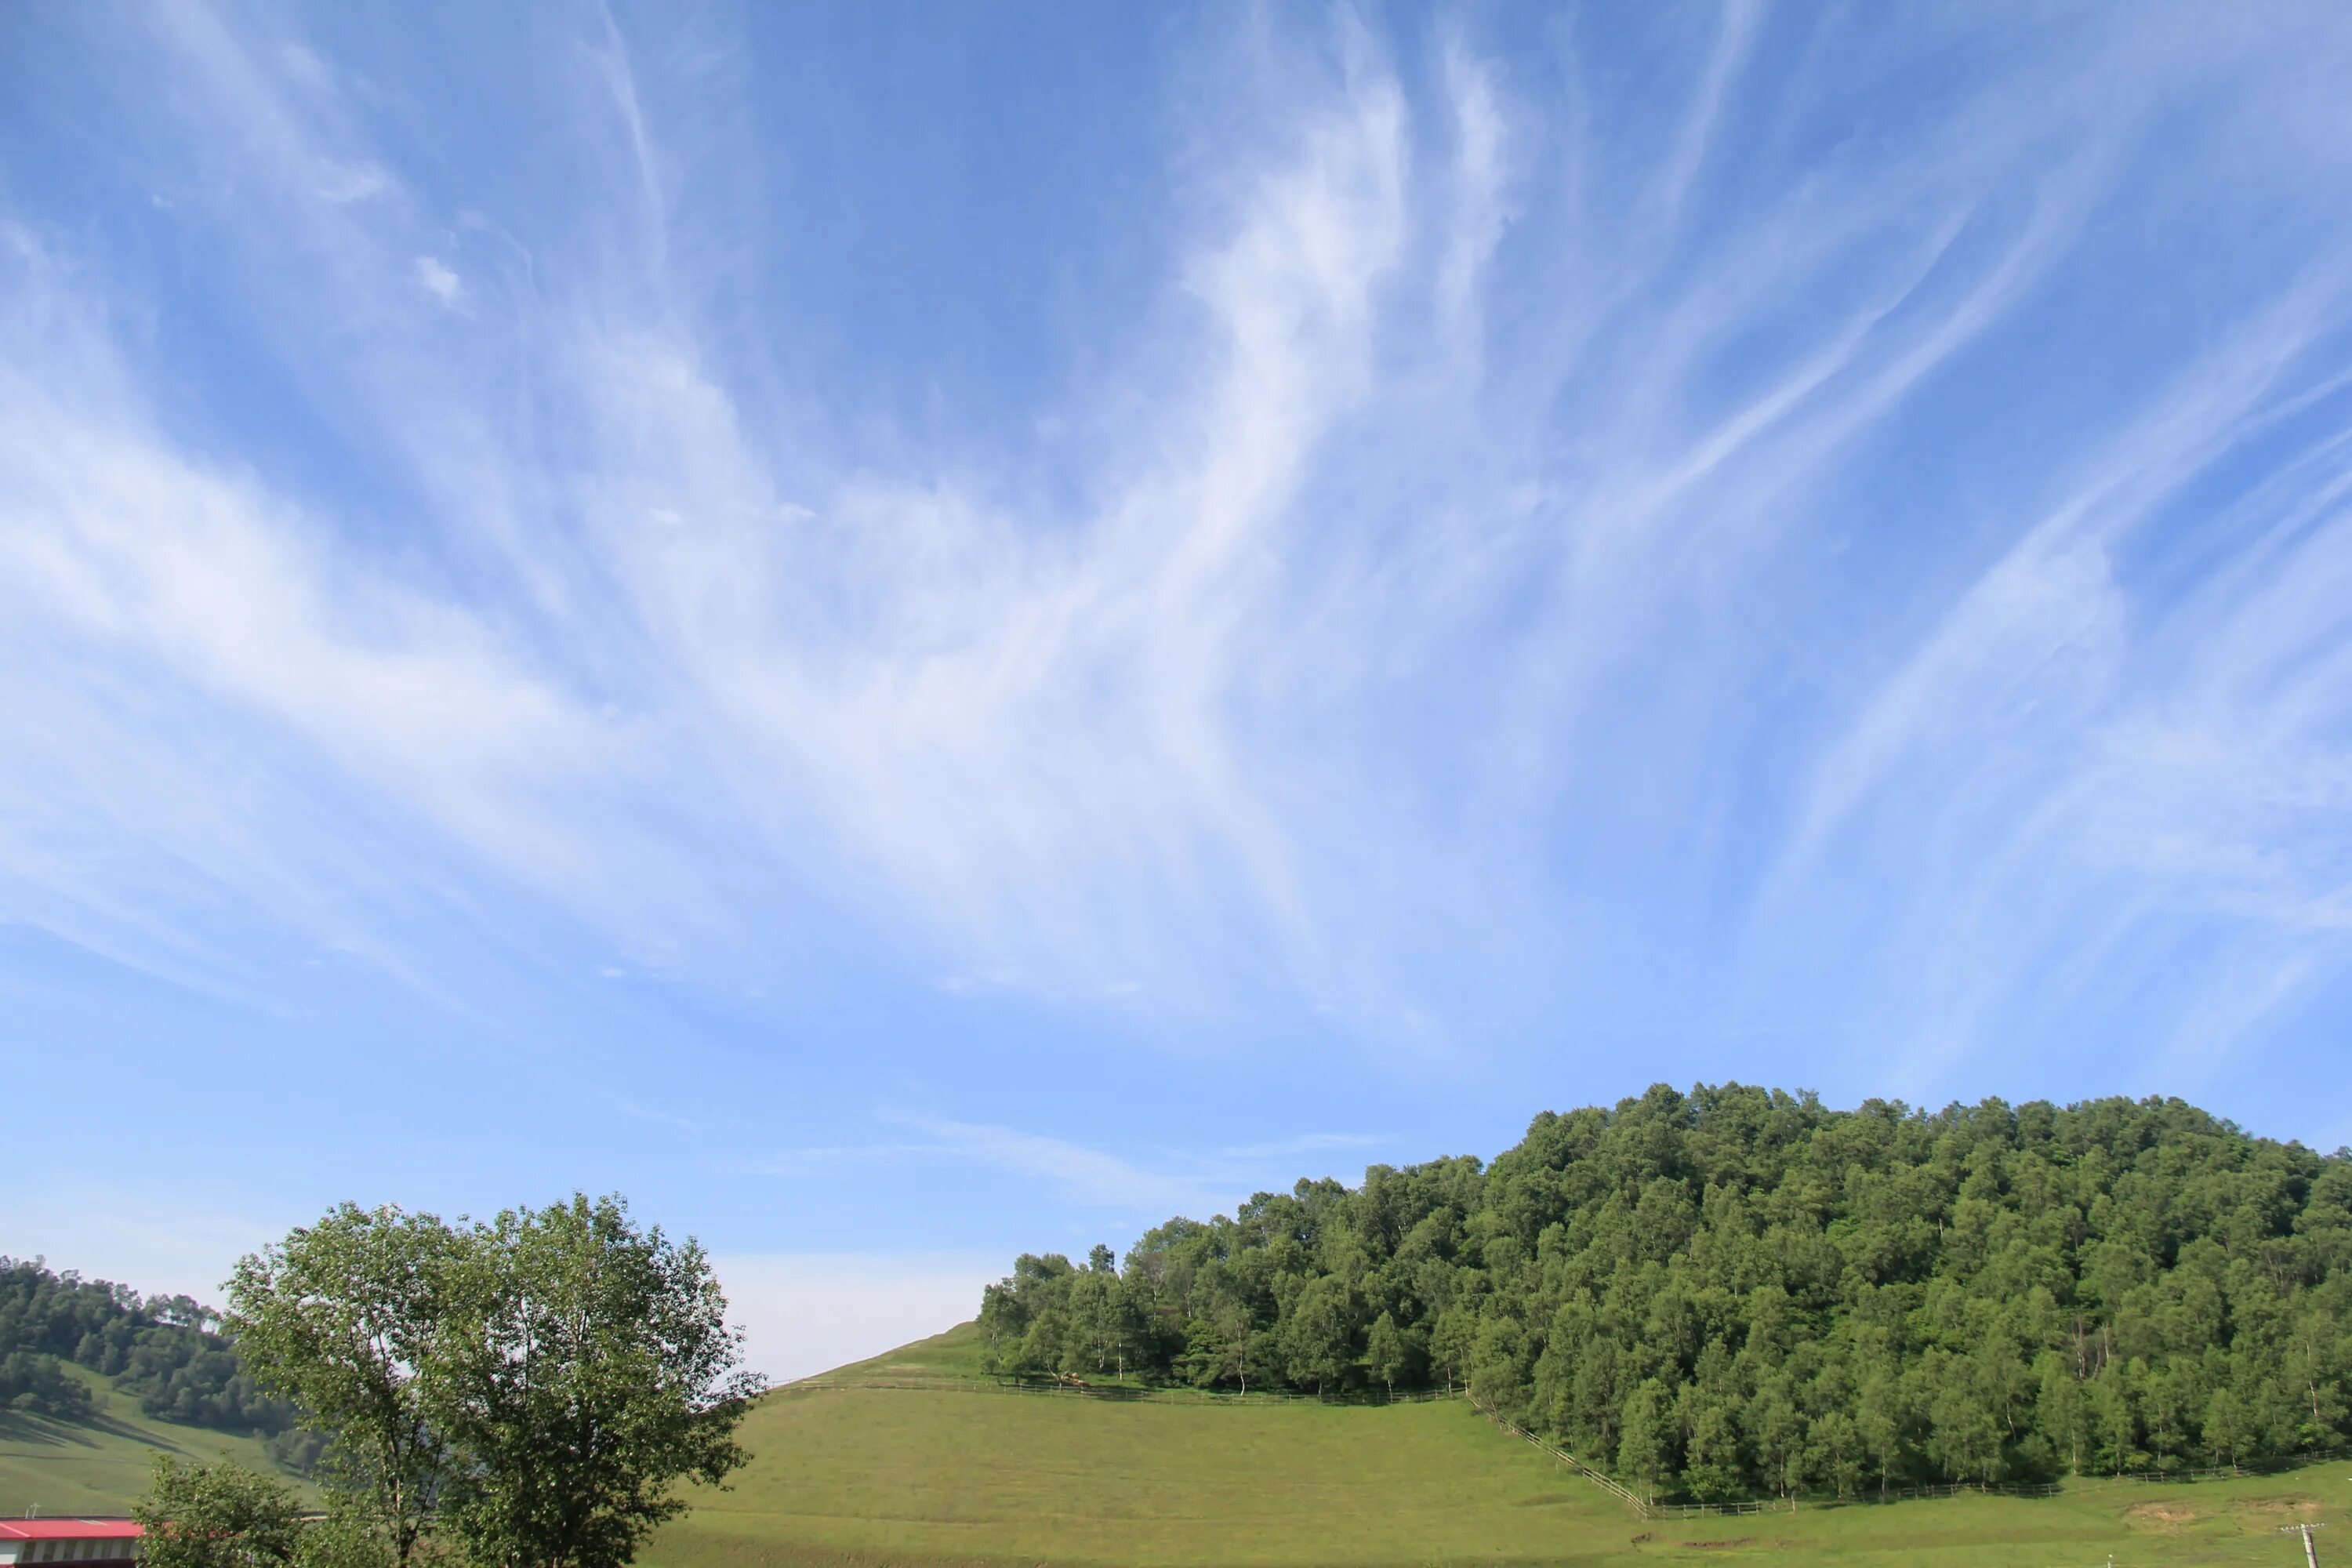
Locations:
1392 656
2057 812
436 279
341 184
1140 1179
1087 1176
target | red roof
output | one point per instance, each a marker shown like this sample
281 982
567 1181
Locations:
68 1528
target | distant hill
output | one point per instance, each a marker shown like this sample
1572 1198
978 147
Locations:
167 1353
98 1461
1741 1292
96 1378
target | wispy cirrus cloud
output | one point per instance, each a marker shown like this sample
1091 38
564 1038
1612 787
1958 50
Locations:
1147 1181
1753 554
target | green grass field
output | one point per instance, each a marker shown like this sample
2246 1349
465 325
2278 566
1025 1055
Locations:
98 1467
863 1477
850 1476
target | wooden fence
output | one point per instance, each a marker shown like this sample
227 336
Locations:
1624 1494
2269 1464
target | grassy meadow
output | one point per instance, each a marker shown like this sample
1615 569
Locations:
100 1464
846 1476
864 1477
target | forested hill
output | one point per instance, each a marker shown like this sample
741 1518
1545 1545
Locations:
1739 1291
166 1350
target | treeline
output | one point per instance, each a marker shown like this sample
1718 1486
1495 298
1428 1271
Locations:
166 1351
1737 1291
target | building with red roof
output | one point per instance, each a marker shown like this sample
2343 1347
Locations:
29 1541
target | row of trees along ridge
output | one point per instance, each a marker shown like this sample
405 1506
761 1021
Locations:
1737 1292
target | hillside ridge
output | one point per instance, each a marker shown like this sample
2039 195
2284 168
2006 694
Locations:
1736 1292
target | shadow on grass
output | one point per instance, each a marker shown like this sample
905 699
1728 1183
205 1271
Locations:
48 1432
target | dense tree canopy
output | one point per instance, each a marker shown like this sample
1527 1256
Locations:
1739 1291
341 1318
216 1516
222 1515
41 1385
584 1367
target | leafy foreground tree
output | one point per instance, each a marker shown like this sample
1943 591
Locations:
584 1367
225 1516
345 1319
217 1516
1740 1292
531 1389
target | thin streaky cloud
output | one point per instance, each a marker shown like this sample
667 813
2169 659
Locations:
1308 575
1151 1180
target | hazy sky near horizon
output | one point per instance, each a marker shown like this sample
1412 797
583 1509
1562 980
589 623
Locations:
910 632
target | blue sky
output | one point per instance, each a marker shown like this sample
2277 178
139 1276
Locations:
912 632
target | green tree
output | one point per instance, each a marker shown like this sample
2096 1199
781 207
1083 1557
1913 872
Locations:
1644 1433
1711 1469
1837 1451
41 1386
341 1318
1879 1419
342 1538
2226 1430
585 1367
1264 1356
1046 1347
2060 1414
1963 1433
1012 1338
1450 1348
2316 1362
1207 1357
2171 1398
1103 1322
1315 1334
1244 1346
2114 1419
216 1516
1385 1351
1779 1427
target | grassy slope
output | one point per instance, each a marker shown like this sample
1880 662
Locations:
863 1479
860 1478
954 1354
98 1467
923 1476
